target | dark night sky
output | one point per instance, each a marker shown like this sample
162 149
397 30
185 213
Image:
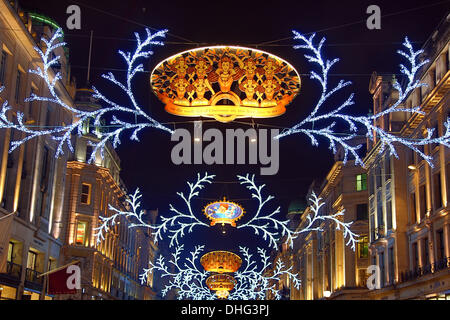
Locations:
148 165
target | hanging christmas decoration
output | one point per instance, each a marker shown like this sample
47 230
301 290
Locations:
264 224
62 133
177 225
225 83
221 284
221 261
273 230
224 212
320 124
255 281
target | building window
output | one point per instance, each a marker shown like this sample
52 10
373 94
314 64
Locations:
18 86
387 167
440 244
413 207
3 66
426 252
391 265
361 182
361 211
31 261
382 269
363 247
423 203
10 257
389 214
81 235
86 193
415 256
437 191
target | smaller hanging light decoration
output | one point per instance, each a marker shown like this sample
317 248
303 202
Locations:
222 284
221 261
224 212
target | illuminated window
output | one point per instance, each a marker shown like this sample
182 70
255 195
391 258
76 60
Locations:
18 86
31 261
81 233
10 252
3 67
361 182
86 193
363 247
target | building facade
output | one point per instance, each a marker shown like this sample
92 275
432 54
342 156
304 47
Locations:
408 199
30 176
326 266
110 269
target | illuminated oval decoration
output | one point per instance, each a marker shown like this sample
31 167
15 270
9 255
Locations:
225 212
225 83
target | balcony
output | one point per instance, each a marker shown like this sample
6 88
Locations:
12 275
425 270
32 280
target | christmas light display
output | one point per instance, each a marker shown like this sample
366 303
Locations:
63 133
264 224
255 281
186 278
318 124
273 229
177 225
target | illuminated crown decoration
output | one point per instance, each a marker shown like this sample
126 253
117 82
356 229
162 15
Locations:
225 83
221 261
225 212
222 284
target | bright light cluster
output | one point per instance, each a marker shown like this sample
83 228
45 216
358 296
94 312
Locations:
264 224
322 124
63 133
188 280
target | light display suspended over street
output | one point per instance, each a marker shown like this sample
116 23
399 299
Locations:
223 212
252 281
225 83
263 222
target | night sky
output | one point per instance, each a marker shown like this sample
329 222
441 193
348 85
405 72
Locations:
147 164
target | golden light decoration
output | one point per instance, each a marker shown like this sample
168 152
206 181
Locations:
222 284
225 83
221 261
225 212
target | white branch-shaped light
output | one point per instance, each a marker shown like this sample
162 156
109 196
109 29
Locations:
265 224
256 279
188 280
315 218
180 223
322 124
184 277
62 133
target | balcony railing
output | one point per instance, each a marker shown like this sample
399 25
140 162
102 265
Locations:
13 270
427 269
32 280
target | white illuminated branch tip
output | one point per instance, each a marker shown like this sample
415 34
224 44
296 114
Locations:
178 224
183 221
315 218
255 281
184 277
62 133
189 281
322 124
265 224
